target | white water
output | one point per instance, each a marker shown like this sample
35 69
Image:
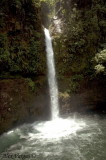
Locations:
57 127
51 76
80 138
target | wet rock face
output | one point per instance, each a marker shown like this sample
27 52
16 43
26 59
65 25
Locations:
82 4
79 3
89 100
76 103
45 11
74 59
18 104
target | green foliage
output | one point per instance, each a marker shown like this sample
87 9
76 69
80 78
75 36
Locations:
100 59
75 83
31 84
83 35
21 38
50 2
33 55
4 53
99 68
26 60
83 32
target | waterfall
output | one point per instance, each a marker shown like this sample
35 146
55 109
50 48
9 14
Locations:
53 88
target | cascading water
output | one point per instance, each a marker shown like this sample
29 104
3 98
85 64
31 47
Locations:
81 138
52 76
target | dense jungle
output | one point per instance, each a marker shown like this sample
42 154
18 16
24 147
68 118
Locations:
78 30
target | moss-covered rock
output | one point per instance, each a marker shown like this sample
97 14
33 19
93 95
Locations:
22 49
22 63
90 98
22 100
80 39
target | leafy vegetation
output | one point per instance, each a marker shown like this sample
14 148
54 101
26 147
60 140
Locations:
100 59
21 38
83 26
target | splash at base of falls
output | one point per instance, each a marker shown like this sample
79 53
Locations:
57 128
62 139
80 138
